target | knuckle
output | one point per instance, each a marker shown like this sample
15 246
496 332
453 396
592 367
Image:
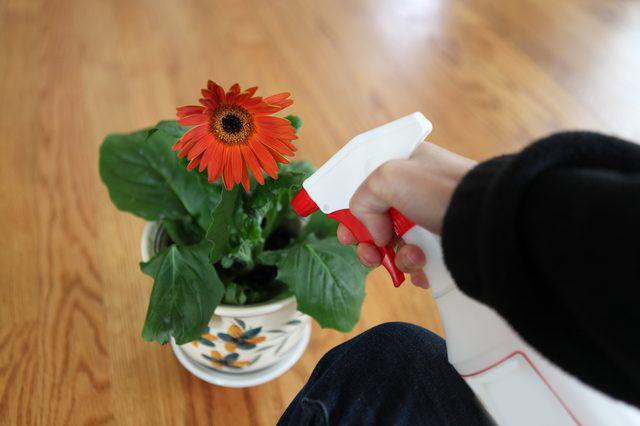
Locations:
383 176
359 202
377 186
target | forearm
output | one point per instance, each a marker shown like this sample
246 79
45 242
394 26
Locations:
549 238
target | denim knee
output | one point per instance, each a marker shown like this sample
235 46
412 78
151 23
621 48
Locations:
391 349
394 373
411 339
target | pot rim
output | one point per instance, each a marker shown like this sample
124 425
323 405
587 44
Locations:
147 251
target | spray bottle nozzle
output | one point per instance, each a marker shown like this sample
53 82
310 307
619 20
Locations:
303 204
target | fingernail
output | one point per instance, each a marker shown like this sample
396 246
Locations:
342 238
420 280
414 259
369 261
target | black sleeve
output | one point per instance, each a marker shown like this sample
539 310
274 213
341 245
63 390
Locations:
550 238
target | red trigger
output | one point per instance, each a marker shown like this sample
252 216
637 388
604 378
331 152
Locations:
389 262
362 235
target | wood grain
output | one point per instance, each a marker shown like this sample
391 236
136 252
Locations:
492 76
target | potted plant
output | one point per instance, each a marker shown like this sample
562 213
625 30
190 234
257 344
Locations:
235 270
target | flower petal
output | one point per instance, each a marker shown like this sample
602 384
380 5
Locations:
276 145
189 137
263 109
214 166
280 139
276 132
216 355
251 90
186 110
236 164
252 163
252 102
241 98
230 346
191 144
273 121
209 103
207 154
227 172
276 156
200 146
277 97
191 120
246 182
212 152
219 92
283 103
233 92
193 163
208 94
264 157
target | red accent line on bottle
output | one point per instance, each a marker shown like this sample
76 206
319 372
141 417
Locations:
534 369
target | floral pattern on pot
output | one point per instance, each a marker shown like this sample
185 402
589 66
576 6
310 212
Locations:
236 337
229 361
241 341
239 337
206 339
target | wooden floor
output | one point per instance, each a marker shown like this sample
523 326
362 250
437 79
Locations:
491 75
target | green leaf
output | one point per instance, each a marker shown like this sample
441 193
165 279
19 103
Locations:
234 294
134 184
172 128
145 177
303 167
222 223
272 201
320 226
326 279
185 293
183 231
295 121
241 223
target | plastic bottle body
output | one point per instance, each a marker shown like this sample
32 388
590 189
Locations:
514 382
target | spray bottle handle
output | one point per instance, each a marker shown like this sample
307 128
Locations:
358 230
304 206
435 269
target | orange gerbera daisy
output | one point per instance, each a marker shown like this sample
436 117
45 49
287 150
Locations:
234 133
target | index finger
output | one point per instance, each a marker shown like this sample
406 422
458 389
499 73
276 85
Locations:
345 236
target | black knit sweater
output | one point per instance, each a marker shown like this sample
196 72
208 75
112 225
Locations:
550 238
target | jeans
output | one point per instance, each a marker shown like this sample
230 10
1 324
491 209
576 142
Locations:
392 374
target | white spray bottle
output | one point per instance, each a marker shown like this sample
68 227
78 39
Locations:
513 381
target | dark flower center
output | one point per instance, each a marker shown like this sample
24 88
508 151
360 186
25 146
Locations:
231 123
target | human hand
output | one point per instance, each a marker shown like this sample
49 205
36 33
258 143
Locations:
420 188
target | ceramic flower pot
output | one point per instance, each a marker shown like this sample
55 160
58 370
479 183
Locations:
241 339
